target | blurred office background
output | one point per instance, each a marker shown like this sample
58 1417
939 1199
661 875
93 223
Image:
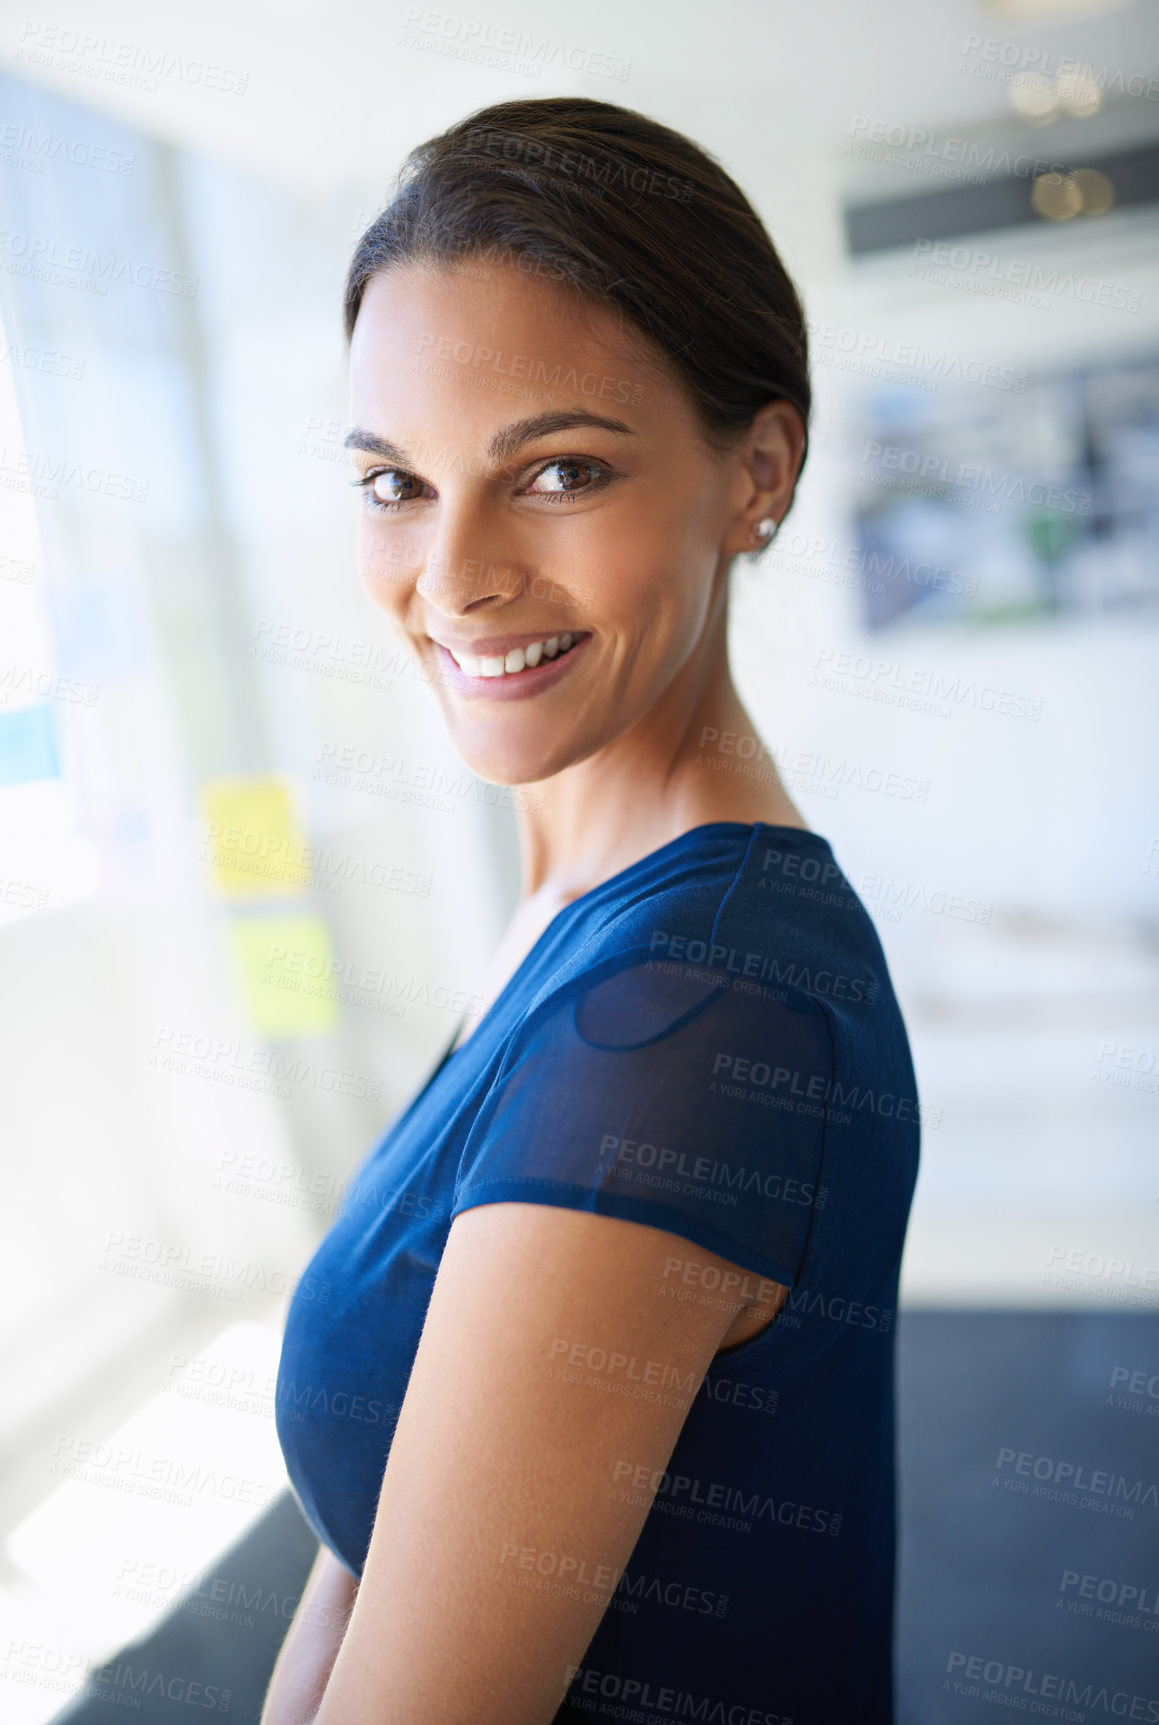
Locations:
242 877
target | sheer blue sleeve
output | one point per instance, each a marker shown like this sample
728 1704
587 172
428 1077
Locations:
669 1095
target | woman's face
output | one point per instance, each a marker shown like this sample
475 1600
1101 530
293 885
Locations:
530 479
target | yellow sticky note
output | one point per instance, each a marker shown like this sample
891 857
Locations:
287 974
255 843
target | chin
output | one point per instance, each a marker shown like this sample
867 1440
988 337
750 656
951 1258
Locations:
514 761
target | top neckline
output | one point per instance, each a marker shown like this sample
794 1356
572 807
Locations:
749 828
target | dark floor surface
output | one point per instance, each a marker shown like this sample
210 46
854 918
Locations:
1011 1599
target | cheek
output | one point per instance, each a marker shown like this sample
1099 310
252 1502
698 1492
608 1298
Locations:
385 563
664 548
655 587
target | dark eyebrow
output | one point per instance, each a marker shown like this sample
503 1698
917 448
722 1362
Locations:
505 443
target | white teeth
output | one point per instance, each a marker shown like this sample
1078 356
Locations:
519 658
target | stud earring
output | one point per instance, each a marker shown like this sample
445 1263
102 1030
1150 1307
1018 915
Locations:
766 528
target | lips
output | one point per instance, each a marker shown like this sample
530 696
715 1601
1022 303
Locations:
463 670
511 661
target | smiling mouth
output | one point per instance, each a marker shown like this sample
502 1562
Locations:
519 658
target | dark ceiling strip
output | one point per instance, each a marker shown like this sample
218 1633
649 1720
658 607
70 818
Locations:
999 203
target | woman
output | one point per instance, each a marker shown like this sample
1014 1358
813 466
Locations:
597 1420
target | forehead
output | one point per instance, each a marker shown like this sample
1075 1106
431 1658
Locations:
499 303
484 343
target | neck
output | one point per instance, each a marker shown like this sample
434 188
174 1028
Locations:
657 779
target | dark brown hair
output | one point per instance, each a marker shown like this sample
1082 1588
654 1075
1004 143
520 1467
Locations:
621 209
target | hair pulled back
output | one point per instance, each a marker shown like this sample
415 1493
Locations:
624 211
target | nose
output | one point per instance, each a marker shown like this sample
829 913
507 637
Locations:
468 567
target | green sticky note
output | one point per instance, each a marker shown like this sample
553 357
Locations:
286 970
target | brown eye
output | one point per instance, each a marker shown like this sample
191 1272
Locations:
392 485
566 476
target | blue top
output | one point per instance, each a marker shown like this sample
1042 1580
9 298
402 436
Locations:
707 1042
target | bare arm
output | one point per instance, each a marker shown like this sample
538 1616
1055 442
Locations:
509 1463
311 1645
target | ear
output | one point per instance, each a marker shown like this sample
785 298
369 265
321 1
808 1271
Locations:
768 462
